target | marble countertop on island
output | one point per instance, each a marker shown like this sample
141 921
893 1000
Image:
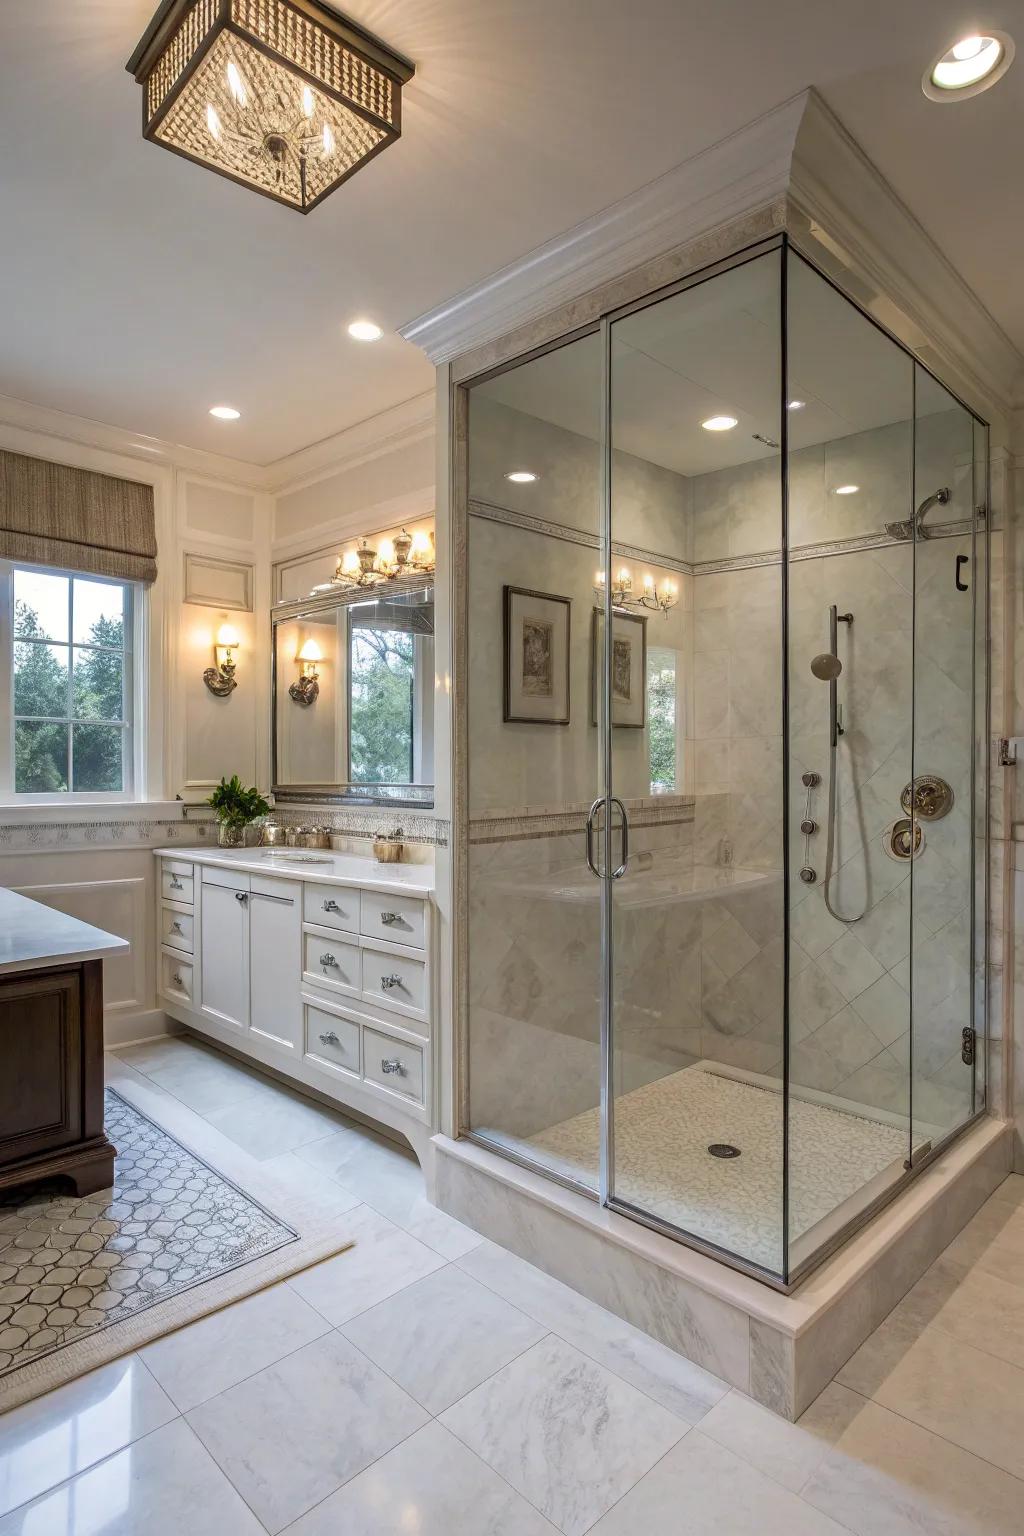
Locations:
34 936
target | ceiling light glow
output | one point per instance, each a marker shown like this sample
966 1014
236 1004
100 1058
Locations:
969 66
719 423
365 330
224 412
847 490
521 476
796 405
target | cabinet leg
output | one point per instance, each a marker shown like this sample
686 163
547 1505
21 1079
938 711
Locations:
98 1173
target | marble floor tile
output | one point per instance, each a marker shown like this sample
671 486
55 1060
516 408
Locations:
264 1126
389 1178
159 1052
443 1336
971 1305
293 1433
384 1260
702 1489
567 1434
788 1453
53 1437
308 1185
669 1378
993 1240
888 1477
430 1485
209 1082
958 1392
163 1485
197 1362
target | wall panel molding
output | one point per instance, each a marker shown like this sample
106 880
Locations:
212 582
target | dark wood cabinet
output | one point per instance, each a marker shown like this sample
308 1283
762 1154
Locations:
51 1077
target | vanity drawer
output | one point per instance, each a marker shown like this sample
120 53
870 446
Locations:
399 919
175 884
176 929
332 1040
395 980
331 906
176 978
331 963
393 1064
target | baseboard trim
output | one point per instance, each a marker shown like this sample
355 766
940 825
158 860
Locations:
134 1028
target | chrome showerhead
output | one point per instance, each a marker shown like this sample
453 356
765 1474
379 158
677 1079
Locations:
827 667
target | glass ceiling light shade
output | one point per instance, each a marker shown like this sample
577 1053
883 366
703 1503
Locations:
283 96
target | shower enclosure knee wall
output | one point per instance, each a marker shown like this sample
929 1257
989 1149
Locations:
668 1006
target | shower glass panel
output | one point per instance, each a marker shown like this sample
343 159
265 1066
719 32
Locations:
535 982
946 586
698 1039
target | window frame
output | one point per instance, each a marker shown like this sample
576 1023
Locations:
133 671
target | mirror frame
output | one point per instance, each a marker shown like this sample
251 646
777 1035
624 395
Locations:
411 796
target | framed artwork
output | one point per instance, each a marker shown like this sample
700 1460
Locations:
628 664
536 657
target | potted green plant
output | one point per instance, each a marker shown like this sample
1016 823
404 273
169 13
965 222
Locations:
235 808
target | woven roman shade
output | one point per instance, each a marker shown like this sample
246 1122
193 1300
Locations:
54 514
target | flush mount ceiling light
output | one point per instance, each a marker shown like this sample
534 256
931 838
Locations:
224 412
796 405
521 476
969 67
283 96
719 423
365 330
847 490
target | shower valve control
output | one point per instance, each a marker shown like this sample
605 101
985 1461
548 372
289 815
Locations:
811 780
808 875
807 827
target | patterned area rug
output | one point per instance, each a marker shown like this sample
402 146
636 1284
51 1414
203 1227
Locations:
174 1239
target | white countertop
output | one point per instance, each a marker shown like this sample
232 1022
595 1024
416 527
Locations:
33 936
317 865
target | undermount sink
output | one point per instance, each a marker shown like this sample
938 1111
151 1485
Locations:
294 858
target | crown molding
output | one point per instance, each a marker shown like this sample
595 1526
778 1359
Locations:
747 170
390 430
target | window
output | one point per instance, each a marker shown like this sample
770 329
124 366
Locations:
69 642
662 718
381 681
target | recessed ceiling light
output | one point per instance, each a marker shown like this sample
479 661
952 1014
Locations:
847 490
521 476
224 412
796 405
971 65
719 423
365 330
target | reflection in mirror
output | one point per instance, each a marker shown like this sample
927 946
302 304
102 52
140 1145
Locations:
353 697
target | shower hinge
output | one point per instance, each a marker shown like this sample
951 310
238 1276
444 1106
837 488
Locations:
969 1039
1006 750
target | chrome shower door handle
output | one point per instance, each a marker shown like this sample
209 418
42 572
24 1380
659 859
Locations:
614 800
590 835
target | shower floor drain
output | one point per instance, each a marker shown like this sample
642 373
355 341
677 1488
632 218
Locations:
723 1149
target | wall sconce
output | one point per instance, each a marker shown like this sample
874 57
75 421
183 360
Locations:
406 554
659 599
307 686
220 679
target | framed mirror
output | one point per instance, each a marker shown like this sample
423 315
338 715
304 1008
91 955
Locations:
353 697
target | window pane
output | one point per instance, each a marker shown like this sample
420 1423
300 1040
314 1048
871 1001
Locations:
40 758
380 721
97 685
98 613
40 679
661 718
98 757
40 605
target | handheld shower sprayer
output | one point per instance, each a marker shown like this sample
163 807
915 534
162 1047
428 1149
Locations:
827 667
913 527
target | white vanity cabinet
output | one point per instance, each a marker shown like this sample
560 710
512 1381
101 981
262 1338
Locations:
328 979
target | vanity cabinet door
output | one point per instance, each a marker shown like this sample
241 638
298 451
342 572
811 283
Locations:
225 955
275 964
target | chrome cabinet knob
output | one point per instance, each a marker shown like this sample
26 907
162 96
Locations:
176 884
242 897
328 960
388 982
176 978
330 1038
388 918
175 927
391 1065
330 905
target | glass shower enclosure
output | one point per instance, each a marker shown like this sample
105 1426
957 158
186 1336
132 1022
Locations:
726 609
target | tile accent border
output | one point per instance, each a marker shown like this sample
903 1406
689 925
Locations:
132 830
375 821
508 824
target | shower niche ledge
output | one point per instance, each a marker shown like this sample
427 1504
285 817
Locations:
780 1349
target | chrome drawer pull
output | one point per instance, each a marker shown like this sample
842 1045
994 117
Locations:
394 1065
387 982
176 928
389 917
242 896
176 884
326 960
331 905
330 1038
176 978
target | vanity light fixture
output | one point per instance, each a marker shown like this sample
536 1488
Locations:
521 476
659 599
220 679
365 330
846 490
284 96
306 687
403 556
224 412
719 423
968 67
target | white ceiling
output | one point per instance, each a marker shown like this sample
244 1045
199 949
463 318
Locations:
139 289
